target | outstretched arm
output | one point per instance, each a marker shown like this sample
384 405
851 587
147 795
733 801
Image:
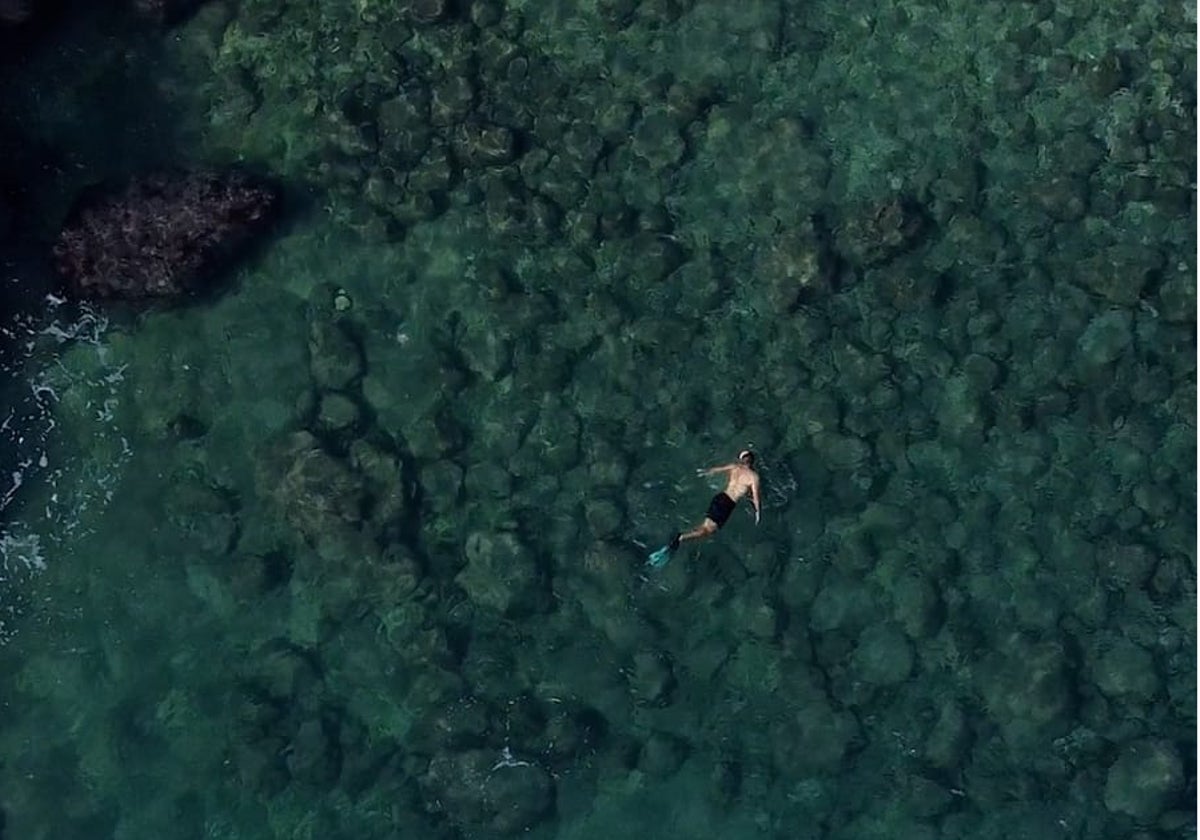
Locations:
724 468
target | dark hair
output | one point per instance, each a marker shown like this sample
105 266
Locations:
747 456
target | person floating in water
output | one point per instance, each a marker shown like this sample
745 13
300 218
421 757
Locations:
742 480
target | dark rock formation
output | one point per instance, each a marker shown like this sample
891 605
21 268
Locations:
14 12
163 235
18 12
167 12
22 25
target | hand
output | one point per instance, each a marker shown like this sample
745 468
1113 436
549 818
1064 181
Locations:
756 516
701 473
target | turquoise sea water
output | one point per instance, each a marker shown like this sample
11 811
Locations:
356 548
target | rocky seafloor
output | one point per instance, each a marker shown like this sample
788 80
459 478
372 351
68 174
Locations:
354 547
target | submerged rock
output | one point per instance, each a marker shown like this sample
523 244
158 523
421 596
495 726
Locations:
652 679
1125 671
600 585
162 236
479 145
335 360
881 232
916 605
314 755
1027 690
321 498
403 123
1144 779
383 477
948 739
815 736
1105 339
481 789
662 754
657 141
1118 275
312 484
426 12
337 413
794 269
883 657
502 574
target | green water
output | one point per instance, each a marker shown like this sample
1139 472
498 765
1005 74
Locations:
356 549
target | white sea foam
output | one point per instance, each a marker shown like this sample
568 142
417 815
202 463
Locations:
20 556
20 552
48 494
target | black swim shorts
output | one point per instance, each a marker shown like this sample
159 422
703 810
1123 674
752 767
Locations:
719 508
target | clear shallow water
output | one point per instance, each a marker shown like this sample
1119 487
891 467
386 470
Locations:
365 535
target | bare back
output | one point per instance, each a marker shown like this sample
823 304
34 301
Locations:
742 480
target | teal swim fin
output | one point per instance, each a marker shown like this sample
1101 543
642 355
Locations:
658 559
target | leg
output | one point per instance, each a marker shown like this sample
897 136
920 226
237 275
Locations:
705 529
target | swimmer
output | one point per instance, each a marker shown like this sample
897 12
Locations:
742 480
